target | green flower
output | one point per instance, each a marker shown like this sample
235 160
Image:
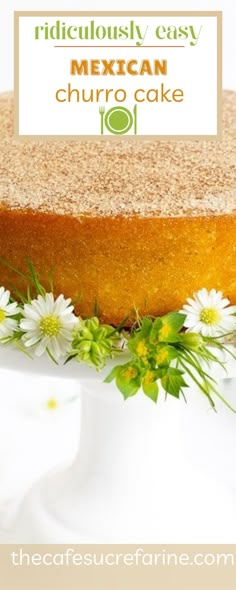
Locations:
159 352
162 354
153 347
191 340
127 378
93 342
149 384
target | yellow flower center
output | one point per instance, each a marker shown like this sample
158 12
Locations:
210 316
52 404
50 326
165 331
130 373
148 378
2 316
161 357
142 349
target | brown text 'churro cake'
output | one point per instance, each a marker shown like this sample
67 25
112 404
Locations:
125 224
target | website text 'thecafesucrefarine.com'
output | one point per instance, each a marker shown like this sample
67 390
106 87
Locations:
139 557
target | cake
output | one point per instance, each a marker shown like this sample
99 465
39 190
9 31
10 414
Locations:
124 225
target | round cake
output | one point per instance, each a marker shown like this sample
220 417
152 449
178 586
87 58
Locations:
123 225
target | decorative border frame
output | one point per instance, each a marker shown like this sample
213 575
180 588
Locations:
217 137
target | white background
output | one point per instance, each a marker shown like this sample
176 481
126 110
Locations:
31 438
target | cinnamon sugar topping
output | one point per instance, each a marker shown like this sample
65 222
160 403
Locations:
112 178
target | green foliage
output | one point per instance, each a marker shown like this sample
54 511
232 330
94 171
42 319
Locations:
94 342
32 281
153 347
173 381
162 354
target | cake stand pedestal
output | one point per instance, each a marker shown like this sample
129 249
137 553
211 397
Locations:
133 480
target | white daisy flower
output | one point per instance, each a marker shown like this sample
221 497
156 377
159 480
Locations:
8 325
48 325
209 313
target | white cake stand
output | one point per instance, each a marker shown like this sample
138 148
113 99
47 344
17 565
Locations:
144 473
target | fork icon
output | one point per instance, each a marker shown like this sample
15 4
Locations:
102 111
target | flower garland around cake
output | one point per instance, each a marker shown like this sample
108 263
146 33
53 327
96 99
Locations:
162 352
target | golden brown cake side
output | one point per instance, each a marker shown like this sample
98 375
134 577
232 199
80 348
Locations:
150 264
123 224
